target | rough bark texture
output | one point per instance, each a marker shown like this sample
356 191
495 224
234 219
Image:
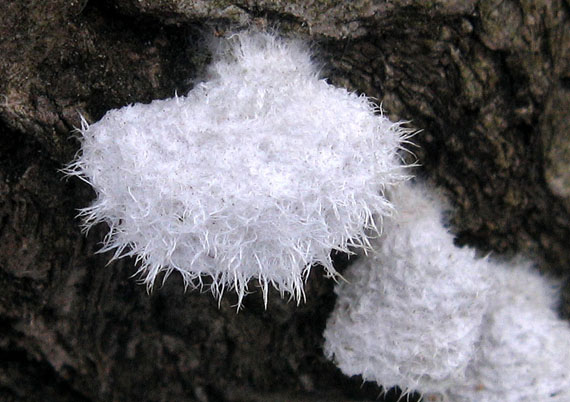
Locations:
488 81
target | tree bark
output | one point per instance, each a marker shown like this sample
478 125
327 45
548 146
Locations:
487 81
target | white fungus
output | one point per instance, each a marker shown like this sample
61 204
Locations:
425 315
410 314
258 172
524 351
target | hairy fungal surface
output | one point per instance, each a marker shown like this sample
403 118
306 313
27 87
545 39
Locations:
258 172
410 314
524 351
425 315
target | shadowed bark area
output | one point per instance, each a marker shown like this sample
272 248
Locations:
488 82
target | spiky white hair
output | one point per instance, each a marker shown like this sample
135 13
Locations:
257 173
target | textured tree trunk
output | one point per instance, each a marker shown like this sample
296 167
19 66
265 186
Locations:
488 82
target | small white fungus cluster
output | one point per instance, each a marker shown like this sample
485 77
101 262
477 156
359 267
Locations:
425 315
257 173
524 351
411 313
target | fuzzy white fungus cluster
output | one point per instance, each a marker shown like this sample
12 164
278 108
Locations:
524 351
411 313
258 172
425 315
